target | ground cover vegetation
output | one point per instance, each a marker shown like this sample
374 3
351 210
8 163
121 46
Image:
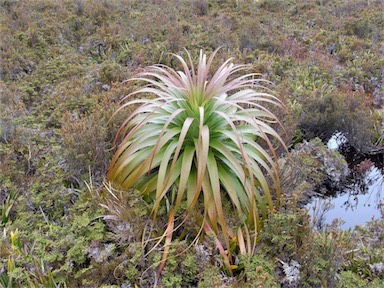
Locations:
62 67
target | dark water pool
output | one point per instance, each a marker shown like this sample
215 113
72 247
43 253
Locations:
359 202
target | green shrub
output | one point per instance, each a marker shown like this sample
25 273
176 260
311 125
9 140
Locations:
284 234
258 271
197 139
349 279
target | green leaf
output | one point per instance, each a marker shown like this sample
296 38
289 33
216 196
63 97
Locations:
199 138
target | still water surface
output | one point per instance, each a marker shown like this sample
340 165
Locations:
358 203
